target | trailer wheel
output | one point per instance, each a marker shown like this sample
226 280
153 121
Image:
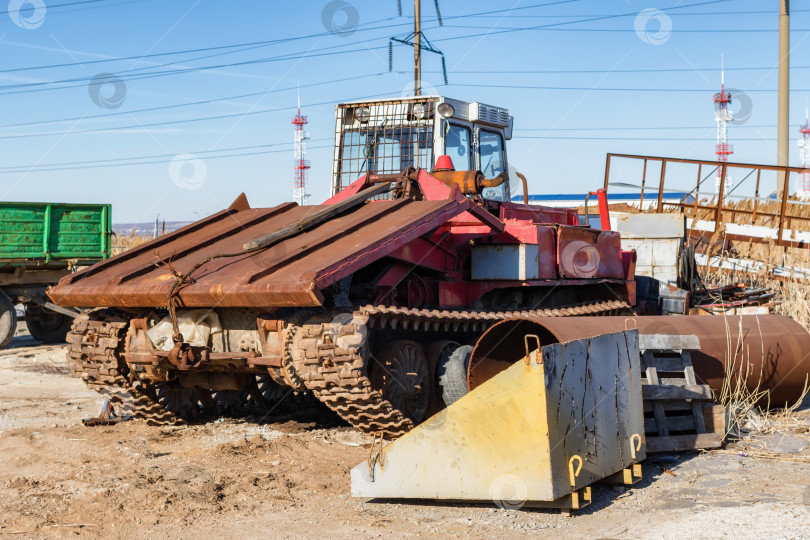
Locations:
452 373
8 319
47 326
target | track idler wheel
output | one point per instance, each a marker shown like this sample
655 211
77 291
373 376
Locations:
271 391
400 371
186 403
253 398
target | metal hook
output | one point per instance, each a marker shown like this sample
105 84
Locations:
526 344
373 459
572 474
635 323
635 447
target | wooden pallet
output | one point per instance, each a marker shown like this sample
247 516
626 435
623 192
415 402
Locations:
676 407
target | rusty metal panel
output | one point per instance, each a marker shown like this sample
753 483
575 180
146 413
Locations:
290 273
609 246
577 254
522 435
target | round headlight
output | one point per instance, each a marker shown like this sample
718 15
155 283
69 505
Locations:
446 110
420 110
362 114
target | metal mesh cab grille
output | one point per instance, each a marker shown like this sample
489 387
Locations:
383 137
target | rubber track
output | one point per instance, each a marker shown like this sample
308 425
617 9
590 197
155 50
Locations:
337 375
95 348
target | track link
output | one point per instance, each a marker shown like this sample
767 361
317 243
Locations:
95 349
329 354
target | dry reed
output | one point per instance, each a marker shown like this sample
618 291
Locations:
121 243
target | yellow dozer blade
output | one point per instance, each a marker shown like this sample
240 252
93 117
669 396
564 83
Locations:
538 433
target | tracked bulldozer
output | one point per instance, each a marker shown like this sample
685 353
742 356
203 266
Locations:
370 301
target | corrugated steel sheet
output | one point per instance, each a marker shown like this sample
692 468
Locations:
290 273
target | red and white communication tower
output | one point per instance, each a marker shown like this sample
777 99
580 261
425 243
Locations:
300 191
804 155
722 115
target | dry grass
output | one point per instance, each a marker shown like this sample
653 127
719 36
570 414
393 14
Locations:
121 243
748 408
797 212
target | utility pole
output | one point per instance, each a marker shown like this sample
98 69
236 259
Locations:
782 151
417 48
419 43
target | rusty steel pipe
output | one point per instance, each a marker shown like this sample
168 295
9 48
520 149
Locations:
776 348
525 188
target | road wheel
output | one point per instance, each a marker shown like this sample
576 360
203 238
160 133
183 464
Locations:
47 326
400 371
437 354
183 402
8 319
453 374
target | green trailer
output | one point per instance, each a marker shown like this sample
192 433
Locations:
39 244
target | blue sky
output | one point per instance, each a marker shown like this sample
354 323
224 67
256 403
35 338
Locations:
588 77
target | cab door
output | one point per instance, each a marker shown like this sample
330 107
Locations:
490 159
458 145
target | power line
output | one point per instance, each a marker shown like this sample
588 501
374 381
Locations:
631 30
171 122
569 16
496 11
199 102
693 139
249 45
590 19
638 70
624 128
264 42
31 87
147 75
261 43
100 166
122 160
51 6
602 89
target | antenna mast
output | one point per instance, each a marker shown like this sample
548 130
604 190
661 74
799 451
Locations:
300 191
804 155
722 115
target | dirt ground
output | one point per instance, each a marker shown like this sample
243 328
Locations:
241 478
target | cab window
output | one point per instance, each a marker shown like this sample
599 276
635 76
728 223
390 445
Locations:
491 149
491 155
457 146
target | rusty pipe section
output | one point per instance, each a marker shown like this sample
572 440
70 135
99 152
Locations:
774 350
469 182
525 188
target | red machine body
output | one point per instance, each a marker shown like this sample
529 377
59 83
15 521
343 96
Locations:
568 254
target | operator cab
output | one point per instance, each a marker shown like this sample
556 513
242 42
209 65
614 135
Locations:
388 136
